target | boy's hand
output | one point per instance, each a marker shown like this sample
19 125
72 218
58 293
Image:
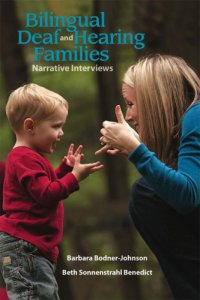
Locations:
69 159
81 171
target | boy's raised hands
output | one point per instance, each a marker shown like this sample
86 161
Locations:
69 159
80 170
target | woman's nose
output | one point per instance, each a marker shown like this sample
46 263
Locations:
128 117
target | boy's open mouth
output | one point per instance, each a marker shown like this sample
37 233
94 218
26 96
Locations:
54 145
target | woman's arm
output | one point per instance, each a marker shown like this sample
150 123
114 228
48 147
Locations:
179 188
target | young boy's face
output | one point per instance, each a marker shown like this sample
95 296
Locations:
49 131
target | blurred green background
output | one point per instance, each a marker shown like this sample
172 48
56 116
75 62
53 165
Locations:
97 221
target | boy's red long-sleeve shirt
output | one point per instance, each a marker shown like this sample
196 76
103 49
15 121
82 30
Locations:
32 196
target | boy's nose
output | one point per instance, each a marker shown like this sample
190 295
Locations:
61 132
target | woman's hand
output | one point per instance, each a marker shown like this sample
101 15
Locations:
70 158
120 119
118 138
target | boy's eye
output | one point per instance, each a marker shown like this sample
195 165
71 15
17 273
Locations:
57 126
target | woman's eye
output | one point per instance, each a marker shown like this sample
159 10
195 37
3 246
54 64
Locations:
129 104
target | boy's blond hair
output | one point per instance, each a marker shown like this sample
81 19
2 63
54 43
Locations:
31 101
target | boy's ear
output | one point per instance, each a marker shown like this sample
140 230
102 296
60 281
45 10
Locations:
29 125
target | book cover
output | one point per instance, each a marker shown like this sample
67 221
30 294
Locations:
81 49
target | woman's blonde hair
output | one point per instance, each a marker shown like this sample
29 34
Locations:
164 86
31 101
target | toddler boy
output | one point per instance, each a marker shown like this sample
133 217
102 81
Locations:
32 226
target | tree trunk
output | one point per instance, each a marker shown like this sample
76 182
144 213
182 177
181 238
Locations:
171 27
13 64
116 167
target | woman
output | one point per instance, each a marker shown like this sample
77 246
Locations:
162 96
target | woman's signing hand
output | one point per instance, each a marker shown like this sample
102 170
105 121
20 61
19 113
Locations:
119 138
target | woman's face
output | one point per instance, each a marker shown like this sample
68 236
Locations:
131 105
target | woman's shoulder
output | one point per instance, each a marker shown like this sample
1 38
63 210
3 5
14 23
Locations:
193 109
191 117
